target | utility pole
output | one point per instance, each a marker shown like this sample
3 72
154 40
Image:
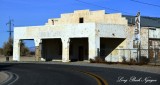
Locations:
10 24
138 35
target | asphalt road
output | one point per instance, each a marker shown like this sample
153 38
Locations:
50 74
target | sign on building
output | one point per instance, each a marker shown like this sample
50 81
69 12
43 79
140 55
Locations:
137 28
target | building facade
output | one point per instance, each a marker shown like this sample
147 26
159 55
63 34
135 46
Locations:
83 35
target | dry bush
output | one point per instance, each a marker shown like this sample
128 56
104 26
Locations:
144 60
8 48
97 59
132 62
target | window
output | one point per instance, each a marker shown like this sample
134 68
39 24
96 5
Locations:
52 22
80 20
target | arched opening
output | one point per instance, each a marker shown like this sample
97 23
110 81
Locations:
52 49
27 50
78 49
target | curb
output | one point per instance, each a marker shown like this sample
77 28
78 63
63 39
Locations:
11 79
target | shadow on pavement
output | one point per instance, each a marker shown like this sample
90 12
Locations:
4 67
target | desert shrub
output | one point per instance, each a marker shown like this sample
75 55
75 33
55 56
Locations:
132 61
92 60
97 59
144 60
124 59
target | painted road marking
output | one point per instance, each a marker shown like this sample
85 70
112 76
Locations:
100 80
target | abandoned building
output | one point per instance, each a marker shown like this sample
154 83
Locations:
85 34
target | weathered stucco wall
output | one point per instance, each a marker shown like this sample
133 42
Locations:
88 17
111 30
92 31
130 52
55 31
154 33
96 25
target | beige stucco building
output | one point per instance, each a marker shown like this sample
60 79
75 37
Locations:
81 36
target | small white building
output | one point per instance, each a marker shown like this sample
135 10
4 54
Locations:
81 36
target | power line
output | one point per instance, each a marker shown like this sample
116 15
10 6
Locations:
109 8
116 10
145 3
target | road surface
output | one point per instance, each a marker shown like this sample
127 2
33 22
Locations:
51 74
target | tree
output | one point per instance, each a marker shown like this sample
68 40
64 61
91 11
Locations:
24 50
8 47
1 51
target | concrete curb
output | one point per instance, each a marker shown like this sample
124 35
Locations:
3 76
10 79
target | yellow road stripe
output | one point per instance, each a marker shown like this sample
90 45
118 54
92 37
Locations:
100 80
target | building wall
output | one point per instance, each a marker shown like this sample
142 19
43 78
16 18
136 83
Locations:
88 16
56 31
92 31
130 52
96 24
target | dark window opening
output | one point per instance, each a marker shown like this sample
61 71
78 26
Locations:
80 20
52 22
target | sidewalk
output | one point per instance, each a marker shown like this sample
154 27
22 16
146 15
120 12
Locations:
3 77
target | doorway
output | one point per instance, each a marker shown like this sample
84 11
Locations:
52 49
78 49
80 53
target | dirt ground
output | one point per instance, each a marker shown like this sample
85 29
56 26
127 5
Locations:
23 58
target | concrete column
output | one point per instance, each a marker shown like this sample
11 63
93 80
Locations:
16 50
94 45
65 49
38 49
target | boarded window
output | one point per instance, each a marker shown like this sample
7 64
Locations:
81 20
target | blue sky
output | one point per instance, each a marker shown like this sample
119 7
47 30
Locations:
37 12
